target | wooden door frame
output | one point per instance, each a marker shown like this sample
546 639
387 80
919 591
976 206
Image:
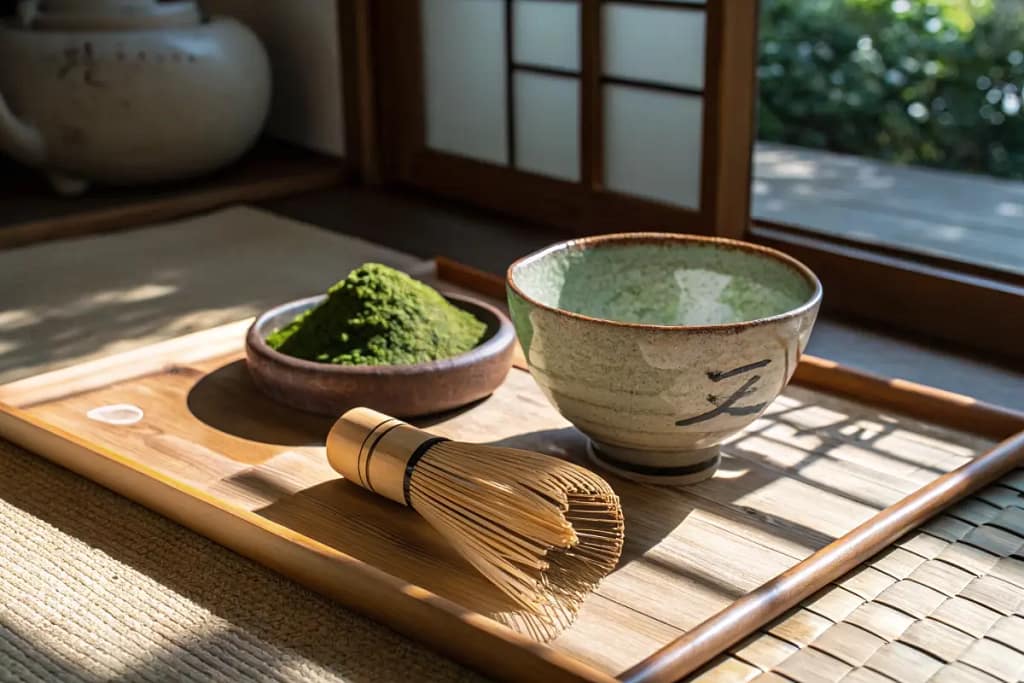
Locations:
359 89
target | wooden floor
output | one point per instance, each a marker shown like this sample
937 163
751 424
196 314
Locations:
31 211
966 217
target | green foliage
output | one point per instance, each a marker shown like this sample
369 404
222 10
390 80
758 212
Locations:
937 82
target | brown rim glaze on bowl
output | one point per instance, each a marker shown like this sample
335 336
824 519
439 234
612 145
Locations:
398 390
597 241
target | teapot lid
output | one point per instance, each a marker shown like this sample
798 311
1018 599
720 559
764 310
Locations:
107 15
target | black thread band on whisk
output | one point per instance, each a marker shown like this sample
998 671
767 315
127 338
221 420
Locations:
369 453
420 451
362 449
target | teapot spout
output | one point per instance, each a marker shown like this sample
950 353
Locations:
21 140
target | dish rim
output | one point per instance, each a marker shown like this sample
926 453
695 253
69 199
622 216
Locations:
494 345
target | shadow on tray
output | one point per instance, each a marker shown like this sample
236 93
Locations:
345 517
217 399
326 509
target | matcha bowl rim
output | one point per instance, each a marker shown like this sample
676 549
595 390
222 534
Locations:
402 390
612 240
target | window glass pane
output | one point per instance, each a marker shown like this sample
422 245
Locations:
658 44
464 77
547 111
546 33
899 124
653 144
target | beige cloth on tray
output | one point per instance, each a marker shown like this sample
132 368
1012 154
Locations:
94 587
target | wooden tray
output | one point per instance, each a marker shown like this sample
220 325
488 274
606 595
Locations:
698 567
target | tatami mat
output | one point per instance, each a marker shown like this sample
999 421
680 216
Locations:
96 588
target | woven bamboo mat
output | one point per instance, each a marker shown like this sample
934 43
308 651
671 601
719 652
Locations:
945 603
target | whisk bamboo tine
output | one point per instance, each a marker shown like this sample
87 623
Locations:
542 530
528 555
498 522
525 503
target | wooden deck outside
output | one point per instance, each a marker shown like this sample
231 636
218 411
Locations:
972 218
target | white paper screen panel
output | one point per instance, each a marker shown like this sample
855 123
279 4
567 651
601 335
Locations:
465 75
658 44
546 33
547 111
652 144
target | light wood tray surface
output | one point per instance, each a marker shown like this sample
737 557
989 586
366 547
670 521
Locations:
215 455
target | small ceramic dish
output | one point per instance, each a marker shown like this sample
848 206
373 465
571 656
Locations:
658 346
399 390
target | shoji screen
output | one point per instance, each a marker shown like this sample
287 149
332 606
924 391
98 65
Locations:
501 82
652 93
594 114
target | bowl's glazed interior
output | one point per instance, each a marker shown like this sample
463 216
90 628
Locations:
664 282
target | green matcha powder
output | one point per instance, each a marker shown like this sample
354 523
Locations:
379 316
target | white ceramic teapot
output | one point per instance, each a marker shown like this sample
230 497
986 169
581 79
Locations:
127 92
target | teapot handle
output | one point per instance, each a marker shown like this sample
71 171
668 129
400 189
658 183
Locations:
27 12
21 140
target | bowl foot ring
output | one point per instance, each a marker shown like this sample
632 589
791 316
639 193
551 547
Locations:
700 465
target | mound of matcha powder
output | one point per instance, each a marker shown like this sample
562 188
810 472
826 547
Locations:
379 316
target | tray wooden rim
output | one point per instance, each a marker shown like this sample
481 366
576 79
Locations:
467 636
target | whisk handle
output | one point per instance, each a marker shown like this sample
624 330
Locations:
377 452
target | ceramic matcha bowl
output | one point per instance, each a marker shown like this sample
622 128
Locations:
660 346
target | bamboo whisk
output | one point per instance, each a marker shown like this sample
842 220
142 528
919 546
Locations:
544 531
